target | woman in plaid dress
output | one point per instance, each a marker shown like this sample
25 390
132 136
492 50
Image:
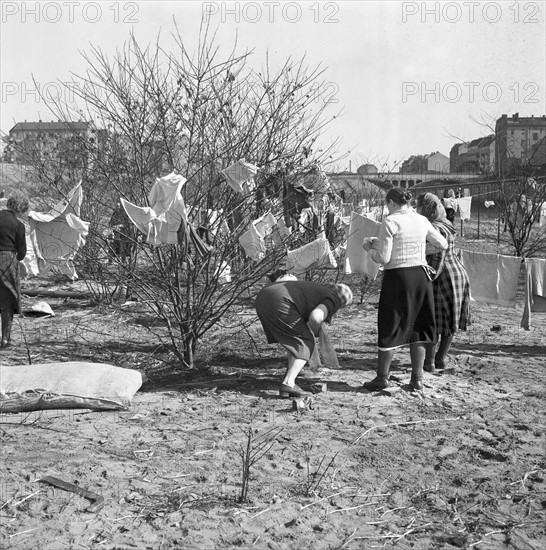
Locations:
451 285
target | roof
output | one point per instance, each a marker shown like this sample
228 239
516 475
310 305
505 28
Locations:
51 126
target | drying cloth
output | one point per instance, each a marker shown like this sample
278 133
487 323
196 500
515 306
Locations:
265 224
253 243
29 265
493 277
57 236
315 255
542 219
357 260
489 203
161 220
240 176
324 353
465 204
535 289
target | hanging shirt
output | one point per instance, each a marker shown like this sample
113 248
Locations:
493 277
253 243
357 260
465 204
161 220
535 289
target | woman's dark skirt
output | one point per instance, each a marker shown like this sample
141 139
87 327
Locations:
406 308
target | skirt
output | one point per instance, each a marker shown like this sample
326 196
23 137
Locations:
406 309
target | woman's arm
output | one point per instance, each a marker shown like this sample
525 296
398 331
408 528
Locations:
317 317
20 242
437 241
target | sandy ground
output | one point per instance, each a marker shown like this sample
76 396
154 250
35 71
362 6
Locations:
460 466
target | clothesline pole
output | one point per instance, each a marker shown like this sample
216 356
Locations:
462 228
498 229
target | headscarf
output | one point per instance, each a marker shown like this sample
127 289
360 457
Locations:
432 208
344 293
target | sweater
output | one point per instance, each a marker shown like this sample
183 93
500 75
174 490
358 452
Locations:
402 240
12 234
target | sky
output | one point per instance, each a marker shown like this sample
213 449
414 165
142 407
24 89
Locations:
409 77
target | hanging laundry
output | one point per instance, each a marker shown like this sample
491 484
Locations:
240 176
57 236
487 204
542 219
253 243
315 255
265 224
161 220
357 260
535 289
493 277
29 265
465 204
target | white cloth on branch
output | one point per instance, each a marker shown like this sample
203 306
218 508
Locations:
58 235
357 260
240 176
493 277
161 220
315 255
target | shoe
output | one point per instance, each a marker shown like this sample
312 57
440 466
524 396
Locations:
416 384
292 391
5 344
440 365
377 384
429 368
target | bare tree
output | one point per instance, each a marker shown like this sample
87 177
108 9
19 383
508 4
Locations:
194 113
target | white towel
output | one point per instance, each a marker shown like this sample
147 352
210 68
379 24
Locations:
357 260
493 277
240 176
535 289
315 255
253 243
465 204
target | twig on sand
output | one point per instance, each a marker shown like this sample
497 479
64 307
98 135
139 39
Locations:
23 532
394 536
404 424
527 474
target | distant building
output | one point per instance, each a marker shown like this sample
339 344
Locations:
31 141
520 142
366 169
421 164
474 157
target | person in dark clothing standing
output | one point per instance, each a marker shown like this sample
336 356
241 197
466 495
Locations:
13 249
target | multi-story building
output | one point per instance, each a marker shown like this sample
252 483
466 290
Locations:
421 164
520 143
38 141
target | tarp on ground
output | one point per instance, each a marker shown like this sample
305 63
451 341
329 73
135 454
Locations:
68 385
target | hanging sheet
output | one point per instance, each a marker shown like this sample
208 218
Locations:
57 236
357 260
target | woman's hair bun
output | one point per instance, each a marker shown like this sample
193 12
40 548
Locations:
407 196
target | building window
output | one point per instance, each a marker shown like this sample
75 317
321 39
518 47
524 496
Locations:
535 136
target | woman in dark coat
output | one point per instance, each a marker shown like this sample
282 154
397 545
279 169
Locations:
13 249
451 285
288 311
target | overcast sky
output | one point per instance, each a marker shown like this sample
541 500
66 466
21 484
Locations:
411 77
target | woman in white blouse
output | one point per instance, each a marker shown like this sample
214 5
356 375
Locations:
406 304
